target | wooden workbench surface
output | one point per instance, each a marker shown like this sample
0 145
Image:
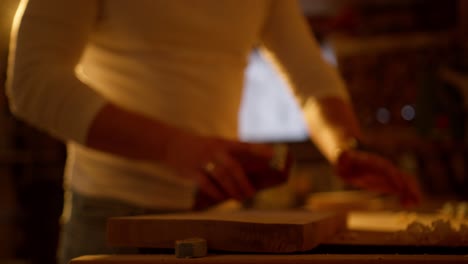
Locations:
273 259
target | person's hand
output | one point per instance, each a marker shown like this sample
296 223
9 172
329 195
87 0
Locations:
372 172
215 166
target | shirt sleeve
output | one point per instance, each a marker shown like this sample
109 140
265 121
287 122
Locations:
292 48
48 38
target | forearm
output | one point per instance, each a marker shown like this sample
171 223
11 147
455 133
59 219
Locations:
330 118
332 124
130 135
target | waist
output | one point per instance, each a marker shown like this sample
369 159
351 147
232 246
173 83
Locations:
99 174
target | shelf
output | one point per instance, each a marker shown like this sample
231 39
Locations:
345 45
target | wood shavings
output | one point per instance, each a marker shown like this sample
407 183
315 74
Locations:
446 227
458 210
464 233
417 228
439 232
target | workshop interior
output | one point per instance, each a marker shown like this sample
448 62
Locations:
405 63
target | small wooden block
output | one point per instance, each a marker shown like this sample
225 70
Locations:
191 248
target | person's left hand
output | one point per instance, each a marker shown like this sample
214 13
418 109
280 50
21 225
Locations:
375 173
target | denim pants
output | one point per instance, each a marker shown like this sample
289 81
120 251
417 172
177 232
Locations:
85 231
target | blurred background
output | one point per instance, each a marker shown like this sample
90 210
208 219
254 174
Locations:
405 63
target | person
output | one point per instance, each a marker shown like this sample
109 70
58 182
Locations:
146 94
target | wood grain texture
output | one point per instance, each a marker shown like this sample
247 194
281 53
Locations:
274 259
239 231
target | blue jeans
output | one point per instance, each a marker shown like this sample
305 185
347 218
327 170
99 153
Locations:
85 231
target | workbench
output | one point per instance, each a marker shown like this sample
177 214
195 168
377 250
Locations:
273 259
295 236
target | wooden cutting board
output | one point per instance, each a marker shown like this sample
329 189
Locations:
239 231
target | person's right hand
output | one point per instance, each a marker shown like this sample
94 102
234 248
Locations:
214 165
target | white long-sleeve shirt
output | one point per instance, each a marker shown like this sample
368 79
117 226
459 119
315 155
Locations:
178 61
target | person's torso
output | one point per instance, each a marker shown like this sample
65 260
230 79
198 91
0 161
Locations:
179 61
